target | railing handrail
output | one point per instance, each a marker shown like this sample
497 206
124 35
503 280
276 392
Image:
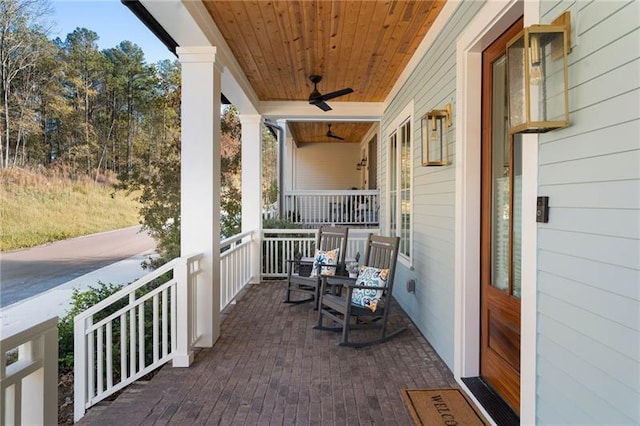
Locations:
290 231
135 285
331 192
18 337
232 239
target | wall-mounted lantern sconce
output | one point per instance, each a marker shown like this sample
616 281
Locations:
361 164
435 137
537 74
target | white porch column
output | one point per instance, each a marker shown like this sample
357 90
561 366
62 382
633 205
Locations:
252 187
287 160
200 181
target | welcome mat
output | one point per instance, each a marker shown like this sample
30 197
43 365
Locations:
447 407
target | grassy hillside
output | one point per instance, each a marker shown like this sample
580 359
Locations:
41 207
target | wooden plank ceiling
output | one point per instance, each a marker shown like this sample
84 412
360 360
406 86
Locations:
363 44
316 131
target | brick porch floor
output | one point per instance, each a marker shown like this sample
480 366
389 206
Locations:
270 367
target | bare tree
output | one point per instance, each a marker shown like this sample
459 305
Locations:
21 24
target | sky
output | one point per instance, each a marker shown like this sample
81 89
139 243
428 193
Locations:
111 20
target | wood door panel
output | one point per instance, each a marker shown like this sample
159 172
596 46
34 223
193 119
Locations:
505 381
500 309
504 339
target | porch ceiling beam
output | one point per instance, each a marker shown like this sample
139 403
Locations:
301 110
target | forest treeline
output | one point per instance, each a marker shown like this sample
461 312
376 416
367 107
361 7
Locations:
68 104
68 101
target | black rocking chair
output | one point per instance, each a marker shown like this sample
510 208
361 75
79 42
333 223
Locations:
301 277
364 302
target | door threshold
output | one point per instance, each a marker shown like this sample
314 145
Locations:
495 406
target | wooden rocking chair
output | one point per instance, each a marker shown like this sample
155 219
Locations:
364 302
304 274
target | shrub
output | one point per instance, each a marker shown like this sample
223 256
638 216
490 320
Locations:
81 301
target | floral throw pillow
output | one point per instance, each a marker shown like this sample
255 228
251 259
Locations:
365 297
325 257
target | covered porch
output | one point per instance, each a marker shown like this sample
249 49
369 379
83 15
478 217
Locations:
270 367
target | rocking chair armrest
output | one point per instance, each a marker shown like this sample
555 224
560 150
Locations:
339 280
300 261
333 281
292 263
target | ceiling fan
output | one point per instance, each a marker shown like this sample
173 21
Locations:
318 99
330 134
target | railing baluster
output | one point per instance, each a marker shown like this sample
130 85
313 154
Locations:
99 361
156 328
123 347
165 320
132 335
91 367
174 316
109 339
141 360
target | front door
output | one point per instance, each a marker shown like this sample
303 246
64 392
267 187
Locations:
500 231
373 163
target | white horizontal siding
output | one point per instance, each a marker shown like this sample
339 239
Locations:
606 222
588 361
576 401
621 194
608 278
619 138
327 166
622 252
602 355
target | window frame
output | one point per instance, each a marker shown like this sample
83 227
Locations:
394 152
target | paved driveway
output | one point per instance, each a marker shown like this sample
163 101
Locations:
28 272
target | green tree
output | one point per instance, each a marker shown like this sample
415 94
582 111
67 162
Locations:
269 168
159 178
84 77
230 184
132 81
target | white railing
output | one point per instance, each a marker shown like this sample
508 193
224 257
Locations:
29 375
278 245
235 266
134 331
351 207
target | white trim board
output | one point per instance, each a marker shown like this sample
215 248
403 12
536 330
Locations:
491 21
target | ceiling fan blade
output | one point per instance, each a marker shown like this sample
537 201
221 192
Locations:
335 94
333 135
321 104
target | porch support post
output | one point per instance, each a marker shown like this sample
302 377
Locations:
287 160
286 170
252 187
200 183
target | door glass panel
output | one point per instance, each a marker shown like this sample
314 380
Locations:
500 180
517 216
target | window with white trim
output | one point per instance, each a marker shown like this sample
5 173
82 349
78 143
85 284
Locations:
400 186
